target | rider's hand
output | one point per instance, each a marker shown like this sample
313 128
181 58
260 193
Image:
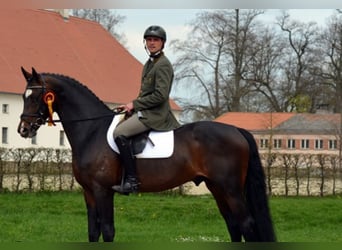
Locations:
128 108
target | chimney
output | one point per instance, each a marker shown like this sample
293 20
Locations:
64 13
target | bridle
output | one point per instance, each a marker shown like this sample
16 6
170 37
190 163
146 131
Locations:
45 106
42 106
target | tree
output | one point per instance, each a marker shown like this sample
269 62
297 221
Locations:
30 155
235 63
214 60
4 153
300 86
108 19
331 44
241 50
62 157
331 72
265 68
17 155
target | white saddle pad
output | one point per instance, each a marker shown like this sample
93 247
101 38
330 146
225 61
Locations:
163 142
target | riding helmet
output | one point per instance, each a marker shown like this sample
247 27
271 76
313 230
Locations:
155 31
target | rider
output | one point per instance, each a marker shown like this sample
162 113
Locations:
151 109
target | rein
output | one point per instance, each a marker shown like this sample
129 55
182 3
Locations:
41 121
88 119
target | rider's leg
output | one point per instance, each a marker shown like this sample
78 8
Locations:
129 127
130 183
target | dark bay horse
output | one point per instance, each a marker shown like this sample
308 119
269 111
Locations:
223 156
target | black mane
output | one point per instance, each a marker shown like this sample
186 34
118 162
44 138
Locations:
77 84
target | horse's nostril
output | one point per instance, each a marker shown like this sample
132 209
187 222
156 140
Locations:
24 132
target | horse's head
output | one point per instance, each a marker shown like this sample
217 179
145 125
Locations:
35 111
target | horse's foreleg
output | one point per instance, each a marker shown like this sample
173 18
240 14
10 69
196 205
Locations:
100 215
93 221
104 204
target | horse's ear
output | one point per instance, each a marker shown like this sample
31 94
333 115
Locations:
35 74
26 74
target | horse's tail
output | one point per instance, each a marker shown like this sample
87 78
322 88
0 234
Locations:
256 195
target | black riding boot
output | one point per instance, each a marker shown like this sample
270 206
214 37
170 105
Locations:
130 183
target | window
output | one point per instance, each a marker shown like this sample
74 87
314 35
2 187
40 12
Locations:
305 144
277 143
318 144
34 140
263 143
4 135
291 143
61 138
332 144
5 108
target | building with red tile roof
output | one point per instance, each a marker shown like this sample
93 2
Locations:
254 121
68 45
291 132
71 46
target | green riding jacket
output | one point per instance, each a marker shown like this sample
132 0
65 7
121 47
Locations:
152 103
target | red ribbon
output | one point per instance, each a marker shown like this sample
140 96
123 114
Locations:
49 98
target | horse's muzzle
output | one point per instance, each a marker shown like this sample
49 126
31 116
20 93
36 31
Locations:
27 130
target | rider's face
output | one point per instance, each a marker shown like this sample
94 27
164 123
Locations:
154 44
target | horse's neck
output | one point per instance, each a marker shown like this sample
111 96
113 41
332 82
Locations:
79 111
78 103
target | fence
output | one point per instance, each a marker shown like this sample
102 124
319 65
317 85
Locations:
33 169
303 174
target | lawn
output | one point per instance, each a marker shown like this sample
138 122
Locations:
61 217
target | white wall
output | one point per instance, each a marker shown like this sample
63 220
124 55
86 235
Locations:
46 136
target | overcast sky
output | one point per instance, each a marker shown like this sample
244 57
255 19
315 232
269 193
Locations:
175 21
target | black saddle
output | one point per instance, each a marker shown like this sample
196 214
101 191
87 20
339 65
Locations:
138 142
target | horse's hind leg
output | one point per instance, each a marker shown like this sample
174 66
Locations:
231 222
245 220
234 210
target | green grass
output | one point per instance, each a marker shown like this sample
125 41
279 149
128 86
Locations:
306 219
61 217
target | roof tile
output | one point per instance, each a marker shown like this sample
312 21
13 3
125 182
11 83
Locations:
254 121
294 123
